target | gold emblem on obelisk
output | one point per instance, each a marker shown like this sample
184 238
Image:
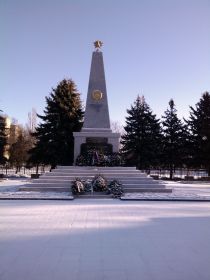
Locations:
97 95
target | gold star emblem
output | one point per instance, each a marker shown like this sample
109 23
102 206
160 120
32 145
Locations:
97 95
98 44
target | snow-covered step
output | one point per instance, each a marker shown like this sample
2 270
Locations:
107 177
70 179
148 189
49 188
94 170
69 183
95 167
113 175
62 177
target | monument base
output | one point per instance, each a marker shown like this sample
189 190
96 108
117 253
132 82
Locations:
101 140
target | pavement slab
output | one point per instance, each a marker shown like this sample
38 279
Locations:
104 239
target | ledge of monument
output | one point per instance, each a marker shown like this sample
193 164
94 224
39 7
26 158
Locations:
86 129
97 133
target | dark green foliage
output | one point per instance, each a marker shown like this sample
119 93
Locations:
77 186
142 138
115 188
199 127
3 139
99 183
114 159
54 135
173 142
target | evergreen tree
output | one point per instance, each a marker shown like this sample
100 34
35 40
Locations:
142 138
199 126
54 135
3 139
173 139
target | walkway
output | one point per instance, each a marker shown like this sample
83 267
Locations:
104 239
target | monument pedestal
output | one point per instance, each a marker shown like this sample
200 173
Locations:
104 140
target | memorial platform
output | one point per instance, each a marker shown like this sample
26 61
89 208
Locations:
60 179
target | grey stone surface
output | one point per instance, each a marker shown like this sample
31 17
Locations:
96 122
80 138
97 112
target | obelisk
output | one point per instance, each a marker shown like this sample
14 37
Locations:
97 112
96 131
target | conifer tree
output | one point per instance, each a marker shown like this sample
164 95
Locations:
3 139
173 139
199 126
54 135
142 138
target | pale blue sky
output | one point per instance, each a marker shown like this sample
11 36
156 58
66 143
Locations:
156 48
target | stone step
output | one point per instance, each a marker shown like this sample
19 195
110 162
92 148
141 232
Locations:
94 195
94 167
46 185
159 190
143 185
67 189
91 174
49 188
60 179
68 179
96 170
67 185
137 180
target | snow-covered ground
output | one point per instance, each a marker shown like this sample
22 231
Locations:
104 239
13 184
180 191
9 189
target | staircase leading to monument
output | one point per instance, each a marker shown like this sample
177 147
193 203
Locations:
61 178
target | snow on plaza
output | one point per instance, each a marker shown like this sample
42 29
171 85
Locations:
105 238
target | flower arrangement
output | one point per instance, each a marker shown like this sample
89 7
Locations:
99 183
88 185
93 158
77 186
115 188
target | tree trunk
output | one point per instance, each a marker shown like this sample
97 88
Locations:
171 172
208 170
37 169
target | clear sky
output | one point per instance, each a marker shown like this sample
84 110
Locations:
156 48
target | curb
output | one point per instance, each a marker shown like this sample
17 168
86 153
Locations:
166 199
35 198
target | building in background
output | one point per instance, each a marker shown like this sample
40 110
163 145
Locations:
12 130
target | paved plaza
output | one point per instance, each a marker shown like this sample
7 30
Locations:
104 239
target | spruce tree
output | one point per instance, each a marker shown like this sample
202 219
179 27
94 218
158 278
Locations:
3 139
142 138
199 126
173 139
54 135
